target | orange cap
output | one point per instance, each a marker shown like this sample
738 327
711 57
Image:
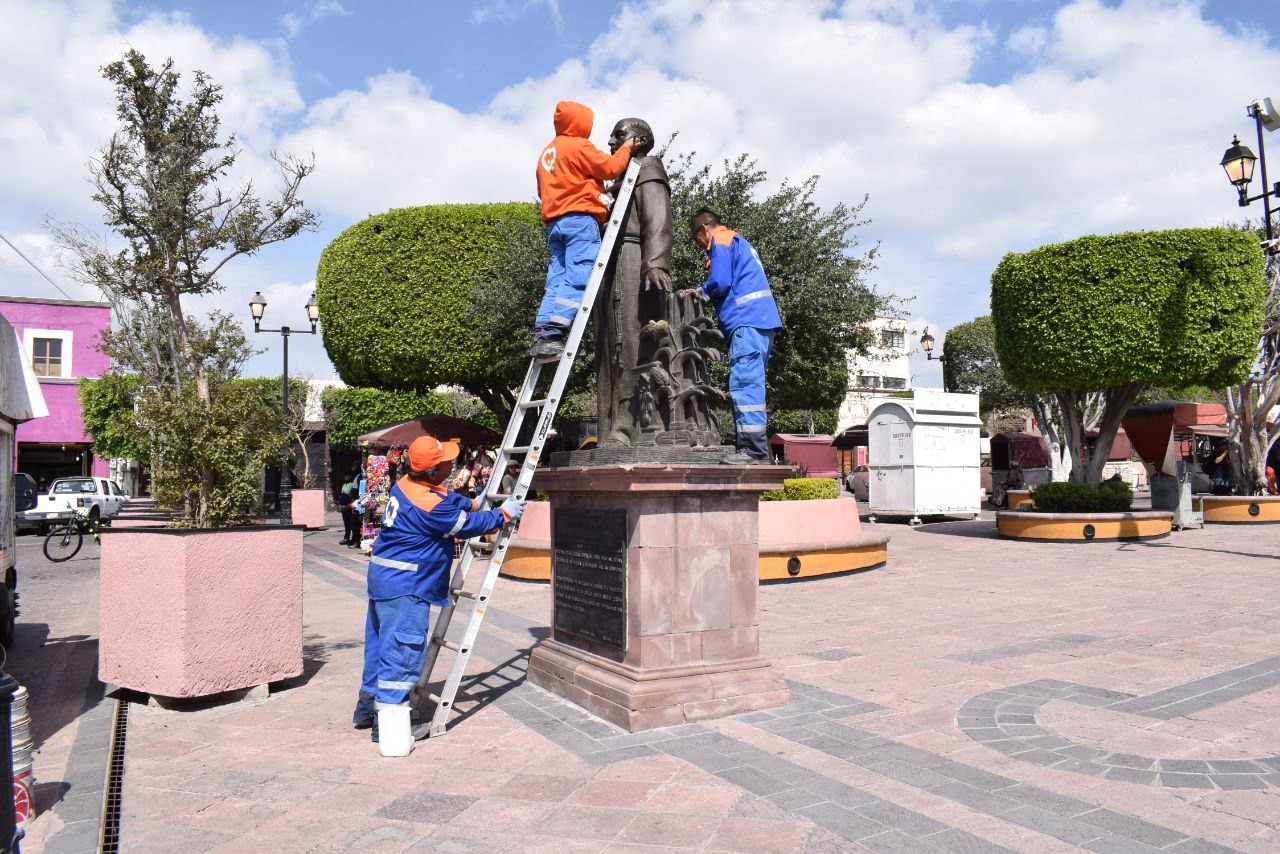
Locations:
428 452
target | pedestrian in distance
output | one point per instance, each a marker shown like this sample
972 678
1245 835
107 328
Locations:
571 174
748 316
409 572
347 497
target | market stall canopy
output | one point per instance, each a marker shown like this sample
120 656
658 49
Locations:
441 426
1152 429
814 453
1025 449
20 395
853 437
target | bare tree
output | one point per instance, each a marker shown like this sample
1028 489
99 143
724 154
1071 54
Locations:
1250 403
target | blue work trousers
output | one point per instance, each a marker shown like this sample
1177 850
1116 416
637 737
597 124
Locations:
573 241
395 641
748 354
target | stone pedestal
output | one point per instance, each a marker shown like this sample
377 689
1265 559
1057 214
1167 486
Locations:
654 581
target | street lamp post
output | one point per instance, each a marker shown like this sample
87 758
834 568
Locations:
1238 162
926 344
257 306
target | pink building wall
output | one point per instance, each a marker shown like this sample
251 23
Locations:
85 321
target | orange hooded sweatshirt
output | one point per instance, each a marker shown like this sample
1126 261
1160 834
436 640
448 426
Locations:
571 170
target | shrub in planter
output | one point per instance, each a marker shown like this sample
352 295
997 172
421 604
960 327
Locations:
803 489
1112 496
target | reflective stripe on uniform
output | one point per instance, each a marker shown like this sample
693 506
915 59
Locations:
457 526
754 295
750 428
560 320
572 303
752 407
393 564
396 686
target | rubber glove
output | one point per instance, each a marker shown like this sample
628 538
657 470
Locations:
512 508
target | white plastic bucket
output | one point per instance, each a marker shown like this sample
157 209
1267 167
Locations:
395 733
24 806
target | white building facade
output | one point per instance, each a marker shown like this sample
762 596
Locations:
886 370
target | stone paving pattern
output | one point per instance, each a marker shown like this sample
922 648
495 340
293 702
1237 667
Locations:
973 695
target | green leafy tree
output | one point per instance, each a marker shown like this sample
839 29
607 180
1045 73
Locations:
161 182
970 365
398 292
107 409
351 412
1113 315
420 297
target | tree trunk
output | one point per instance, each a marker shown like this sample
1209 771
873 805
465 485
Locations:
1118 402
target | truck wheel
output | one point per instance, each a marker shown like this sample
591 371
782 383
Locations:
8 613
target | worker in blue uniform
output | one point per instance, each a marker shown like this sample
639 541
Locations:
739 290
409 571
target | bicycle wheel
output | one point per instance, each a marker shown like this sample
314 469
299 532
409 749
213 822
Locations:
63 543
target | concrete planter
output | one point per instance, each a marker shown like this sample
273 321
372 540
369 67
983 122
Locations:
797 539
308 508
1238 509
1084 527
190 613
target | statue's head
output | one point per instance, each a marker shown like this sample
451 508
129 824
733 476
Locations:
637 129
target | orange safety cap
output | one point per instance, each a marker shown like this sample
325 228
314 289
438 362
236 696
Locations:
428 452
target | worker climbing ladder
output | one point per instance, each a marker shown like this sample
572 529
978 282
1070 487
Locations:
507 452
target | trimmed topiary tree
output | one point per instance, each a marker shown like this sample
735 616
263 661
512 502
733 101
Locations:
1116 314
398 291
351 412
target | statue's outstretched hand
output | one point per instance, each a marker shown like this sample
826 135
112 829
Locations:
658 278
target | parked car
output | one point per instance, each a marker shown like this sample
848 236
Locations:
98 497
24 499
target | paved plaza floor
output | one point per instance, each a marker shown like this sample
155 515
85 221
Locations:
973 694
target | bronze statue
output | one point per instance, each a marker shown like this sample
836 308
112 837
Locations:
651 344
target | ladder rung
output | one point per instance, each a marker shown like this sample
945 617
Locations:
498 496
480 546
518 449
462 594
438 700
448 644
533 404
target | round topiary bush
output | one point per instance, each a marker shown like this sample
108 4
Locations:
397 294
1111 496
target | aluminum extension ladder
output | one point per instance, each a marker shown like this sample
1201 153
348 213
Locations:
493 495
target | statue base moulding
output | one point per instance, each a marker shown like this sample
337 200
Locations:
654 583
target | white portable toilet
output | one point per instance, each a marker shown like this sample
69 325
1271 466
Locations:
925 456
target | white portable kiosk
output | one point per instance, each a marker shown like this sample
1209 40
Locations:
925 456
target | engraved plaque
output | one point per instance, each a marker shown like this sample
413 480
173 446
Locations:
589 563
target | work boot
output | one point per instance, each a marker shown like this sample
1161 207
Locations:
547 348
740 458
366 715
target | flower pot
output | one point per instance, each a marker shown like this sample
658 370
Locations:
308 508
189 613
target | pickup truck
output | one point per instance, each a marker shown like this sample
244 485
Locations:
99 497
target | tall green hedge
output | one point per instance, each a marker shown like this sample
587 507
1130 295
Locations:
396 292
1172 308
351 412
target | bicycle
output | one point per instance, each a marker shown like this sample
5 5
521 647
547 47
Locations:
64 540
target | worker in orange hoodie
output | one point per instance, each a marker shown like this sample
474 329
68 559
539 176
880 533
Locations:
571 174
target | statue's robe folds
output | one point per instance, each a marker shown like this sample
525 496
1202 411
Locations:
624 307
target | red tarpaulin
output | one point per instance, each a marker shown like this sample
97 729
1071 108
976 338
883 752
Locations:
813 452
1152 428
1025 449
444 427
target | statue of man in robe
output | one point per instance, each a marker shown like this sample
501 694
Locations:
651 377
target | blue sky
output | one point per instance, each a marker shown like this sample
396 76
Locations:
976 126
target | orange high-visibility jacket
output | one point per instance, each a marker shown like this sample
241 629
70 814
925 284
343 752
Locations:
571 171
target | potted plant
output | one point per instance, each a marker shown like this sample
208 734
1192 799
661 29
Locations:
212 603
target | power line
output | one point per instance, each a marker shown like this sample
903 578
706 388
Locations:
34 267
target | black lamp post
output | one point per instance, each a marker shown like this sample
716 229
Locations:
257 306
926 344
1238 162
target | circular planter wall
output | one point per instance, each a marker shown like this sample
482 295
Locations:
798 539
1084 527
1238 509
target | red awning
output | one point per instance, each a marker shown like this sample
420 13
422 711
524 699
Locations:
814 453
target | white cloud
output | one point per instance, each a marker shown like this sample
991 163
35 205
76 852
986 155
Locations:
293 22
514 10
1114 119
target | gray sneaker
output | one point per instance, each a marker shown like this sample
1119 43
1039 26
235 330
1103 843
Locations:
740 458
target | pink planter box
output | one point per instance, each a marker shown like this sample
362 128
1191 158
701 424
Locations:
189 613
308 508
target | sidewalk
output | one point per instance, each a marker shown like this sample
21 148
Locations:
972 695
